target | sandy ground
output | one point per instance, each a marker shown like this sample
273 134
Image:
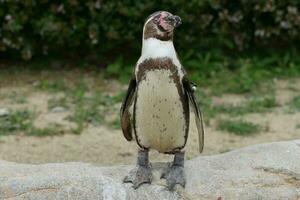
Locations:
105 146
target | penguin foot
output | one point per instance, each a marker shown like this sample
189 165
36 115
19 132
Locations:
139 176
174 174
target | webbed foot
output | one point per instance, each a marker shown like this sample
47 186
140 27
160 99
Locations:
141 174
174 173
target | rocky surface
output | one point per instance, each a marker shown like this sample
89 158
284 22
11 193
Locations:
267 171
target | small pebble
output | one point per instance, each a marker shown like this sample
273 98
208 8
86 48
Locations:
4 112
58 109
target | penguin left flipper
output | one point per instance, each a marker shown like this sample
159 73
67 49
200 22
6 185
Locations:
124 111
189 89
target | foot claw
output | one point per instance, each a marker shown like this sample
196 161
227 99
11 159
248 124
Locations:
139 176
174 174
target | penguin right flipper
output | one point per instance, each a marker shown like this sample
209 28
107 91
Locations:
189 88
124 111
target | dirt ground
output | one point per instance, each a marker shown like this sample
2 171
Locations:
107 146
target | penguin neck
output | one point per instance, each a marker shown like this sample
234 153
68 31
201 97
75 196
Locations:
155 48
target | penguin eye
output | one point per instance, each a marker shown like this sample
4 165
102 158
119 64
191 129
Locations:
156 19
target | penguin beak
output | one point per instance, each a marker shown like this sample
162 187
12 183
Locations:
177 21
174 20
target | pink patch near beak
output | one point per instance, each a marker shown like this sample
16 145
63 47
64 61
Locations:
166 26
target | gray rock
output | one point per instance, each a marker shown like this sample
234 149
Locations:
58 109
4 112
267 171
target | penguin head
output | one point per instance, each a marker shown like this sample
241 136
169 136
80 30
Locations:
161 25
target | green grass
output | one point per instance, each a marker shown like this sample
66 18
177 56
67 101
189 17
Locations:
254 105
205 104
239 127
20 120
90 109
115 124
53 129
246 74
17 98
58 102
242 73
294 104
88 106
77 92
51 85
262 104
293 88
119 69
87 114
118 97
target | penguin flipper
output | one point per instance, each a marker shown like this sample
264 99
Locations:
125 118
189 88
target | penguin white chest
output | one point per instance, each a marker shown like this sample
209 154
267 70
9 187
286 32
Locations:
159 112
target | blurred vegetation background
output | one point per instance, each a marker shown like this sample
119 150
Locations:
64 66
110 31
216 35
254 39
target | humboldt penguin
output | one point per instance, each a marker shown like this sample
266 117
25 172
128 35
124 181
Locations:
160 94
